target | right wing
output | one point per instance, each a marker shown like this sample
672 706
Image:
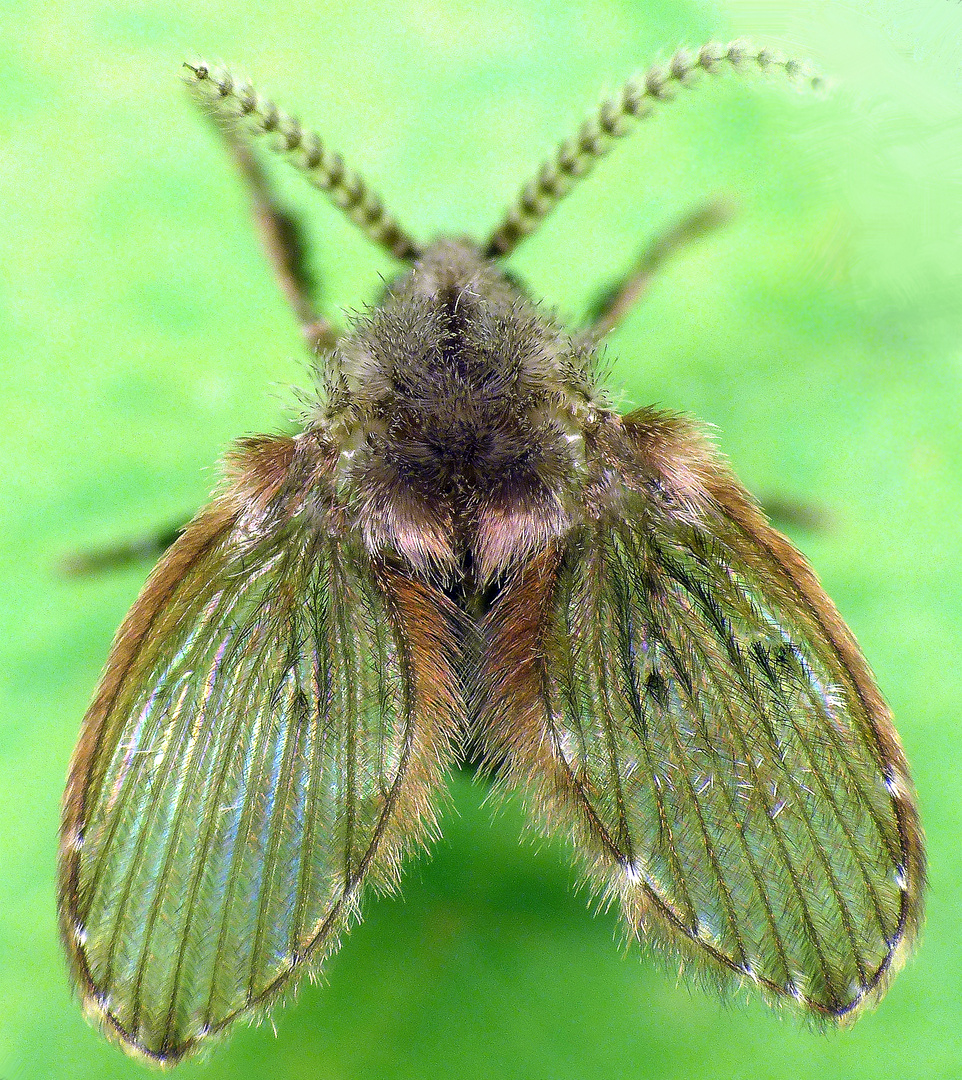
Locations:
675 691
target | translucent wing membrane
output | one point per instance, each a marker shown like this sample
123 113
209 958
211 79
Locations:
699 718
265 741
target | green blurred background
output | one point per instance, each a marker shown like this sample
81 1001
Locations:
820 332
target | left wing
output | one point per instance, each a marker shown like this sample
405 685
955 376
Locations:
269 736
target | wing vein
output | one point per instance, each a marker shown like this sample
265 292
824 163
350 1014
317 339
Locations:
195 753
759 787
666 829
804 739
841 657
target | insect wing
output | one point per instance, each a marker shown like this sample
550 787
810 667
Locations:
273 720
697 716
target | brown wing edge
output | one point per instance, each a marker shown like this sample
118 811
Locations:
672 443
649 447
260 471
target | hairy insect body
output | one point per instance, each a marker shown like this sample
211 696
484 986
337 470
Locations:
467 554
459 411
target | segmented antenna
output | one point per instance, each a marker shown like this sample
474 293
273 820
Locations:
237 103
597 134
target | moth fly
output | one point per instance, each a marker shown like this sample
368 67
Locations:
467 550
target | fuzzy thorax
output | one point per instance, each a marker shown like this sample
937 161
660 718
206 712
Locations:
459 413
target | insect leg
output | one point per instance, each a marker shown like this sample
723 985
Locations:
146 547
616 304
282 239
